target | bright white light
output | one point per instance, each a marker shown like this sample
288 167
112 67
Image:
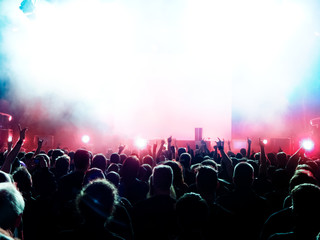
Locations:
10 118
265 141
141 143
10 139
85 138
307 144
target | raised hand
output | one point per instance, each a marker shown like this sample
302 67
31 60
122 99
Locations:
121 148
220 144
40 141
169 139
249 141
22 132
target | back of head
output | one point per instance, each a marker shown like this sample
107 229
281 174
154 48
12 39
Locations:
281 159
96 201
115 158
81 160
177 171
23 179
99 161
4 177
114 178
63 164
162 178
93 174
185 160
11 205
181 150
207 180
192 211
210 163
130 168
55 154
302 176
148 160
243 175
243 152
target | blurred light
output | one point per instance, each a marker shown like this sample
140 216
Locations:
141 143
10 139
10 118
85 138
265 141
307 144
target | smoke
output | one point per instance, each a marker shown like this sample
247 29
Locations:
155 68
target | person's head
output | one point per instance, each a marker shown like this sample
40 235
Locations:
99 161
123 157
161 179
210 163
55 154
177 172
243 152
281 159
4 177
92 174
243 175
23 179
145 171
114 178
115 158
62 164
113 167
206 180
306 208
42 157
130 168
185 160
11 206
96 201
148 160
302 176
192 212
81 160
181 150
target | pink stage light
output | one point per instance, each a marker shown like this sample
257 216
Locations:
265 141
141 143
85 139
307 144
10 118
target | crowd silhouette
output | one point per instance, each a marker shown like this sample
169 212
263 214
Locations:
164 192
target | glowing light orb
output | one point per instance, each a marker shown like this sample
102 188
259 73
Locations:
10 118
141 143
10 139
307 144
265 141
85 138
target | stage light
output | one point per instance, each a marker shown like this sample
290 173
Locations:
307 144
265 141
10 118
85 138
141 143
10 139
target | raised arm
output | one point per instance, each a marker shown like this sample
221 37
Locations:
7 165
263 165
249 148
121 148
225 160
294 160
